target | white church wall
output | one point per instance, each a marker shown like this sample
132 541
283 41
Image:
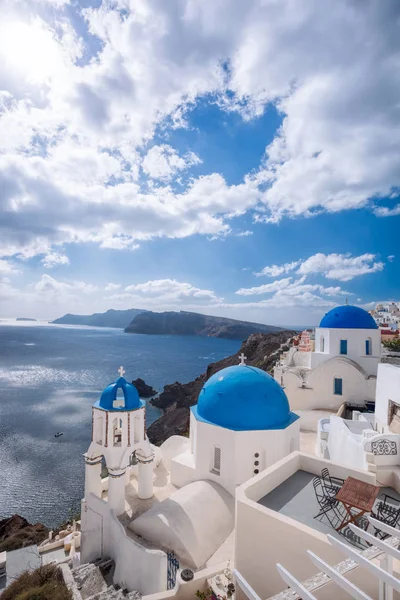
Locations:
356 349
271 445
319 393
387 388
136 567
208 438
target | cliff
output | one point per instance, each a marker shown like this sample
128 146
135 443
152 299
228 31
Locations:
111 318
262 351
16 532
188 323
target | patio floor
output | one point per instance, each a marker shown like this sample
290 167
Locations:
295 498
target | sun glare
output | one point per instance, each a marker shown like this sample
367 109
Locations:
29 50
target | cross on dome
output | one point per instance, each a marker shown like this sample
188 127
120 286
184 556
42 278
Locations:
242 359
121 371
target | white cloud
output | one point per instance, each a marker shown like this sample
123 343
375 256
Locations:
163 162
245 233
50 287
54 259
111 287
391 258
167 290
279 284
6 268
342 267
73 126
276 270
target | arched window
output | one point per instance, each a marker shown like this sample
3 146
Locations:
98 429
322 344
119 401
216 463
117 432
368 346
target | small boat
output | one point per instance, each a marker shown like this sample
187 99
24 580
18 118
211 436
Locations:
58 434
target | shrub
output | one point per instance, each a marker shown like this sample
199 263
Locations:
393 344
45 583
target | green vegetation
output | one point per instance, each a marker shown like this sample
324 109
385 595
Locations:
393 344
45 583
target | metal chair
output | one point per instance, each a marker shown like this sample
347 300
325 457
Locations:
329 507
387 511
332 484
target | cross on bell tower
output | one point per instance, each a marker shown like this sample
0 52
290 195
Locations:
242 358
121 371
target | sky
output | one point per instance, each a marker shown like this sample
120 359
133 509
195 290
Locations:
231 157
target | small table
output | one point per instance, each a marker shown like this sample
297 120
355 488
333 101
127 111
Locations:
356 494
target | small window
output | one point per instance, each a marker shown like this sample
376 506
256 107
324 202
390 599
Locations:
256 471
343 346
256 463
338 386
216 468
368 347
257 455
322 344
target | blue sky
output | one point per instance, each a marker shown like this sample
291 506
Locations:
226 158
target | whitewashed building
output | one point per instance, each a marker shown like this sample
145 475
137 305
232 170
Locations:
158 508
342 368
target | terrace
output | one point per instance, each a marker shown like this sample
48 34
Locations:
295 498
276 524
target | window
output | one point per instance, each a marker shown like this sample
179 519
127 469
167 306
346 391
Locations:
368 347
117 432
338 386
216 468
343 346
98 429
322 344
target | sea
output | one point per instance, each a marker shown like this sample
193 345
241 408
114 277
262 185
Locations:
50 375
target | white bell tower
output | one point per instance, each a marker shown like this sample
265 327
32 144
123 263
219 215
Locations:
118 432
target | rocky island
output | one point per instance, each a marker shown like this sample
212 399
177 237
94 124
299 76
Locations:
261 350
24 319
111 318
144 390
189 323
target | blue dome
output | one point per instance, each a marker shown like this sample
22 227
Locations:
109 395
243 398
348 317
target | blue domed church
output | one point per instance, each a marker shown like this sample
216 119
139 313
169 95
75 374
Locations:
340 368
241 424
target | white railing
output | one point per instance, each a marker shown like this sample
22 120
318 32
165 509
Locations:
387 551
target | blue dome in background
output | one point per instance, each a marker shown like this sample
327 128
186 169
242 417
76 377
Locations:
109 395
348 317
243 398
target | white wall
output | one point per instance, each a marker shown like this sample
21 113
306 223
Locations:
346 447
319 393
238 449
136 567
355 346
387 388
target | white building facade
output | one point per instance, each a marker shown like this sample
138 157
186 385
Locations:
342 368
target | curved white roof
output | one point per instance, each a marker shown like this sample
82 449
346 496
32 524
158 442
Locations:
193 522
